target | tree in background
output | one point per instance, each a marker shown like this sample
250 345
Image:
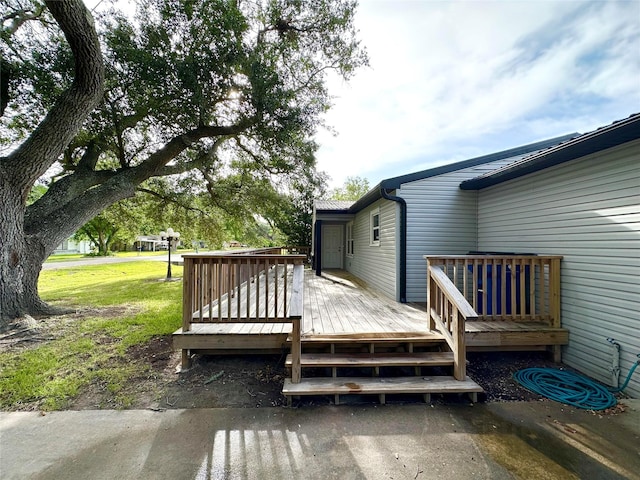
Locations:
101 231
295 216
202 90
353 189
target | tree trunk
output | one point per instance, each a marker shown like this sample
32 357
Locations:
22 252
103 247
20 260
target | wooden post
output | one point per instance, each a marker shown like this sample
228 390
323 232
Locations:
459 353
186 360
295 315
187 294
296 347
432 325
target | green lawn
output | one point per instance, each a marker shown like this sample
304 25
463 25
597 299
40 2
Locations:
134 306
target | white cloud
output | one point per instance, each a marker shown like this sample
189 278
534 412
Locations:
454 79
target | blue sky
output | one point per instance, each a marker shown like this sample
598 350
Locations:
452 80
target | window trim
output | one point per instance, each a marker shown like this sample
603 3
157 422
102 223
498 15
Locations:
373 228
349 239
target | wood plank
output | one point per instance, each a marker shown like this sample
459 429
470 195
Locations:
229 342
508 338
421 359
376 337
296 305
221 328
377 385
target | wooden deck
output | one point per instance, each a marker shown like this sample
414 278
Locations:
338 308
334 324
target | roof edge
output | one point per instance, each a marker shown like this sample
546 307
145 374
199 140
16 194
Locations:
395 182
619 132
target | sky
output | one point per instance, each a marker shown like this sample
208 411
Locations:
452 80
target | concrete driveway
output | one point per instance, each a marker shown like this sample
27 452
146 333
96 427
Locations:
535 440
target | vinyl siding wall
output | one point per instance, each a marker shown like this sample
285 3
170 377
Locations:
376 265
587 210
441 220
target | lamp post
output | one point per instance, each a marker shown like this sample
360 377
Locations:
169 235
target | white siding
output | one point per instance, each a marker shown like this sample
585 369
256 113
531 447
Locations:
376 265
587 210
441 220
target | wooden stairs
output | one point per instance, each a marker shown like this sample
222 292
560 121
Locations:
377 365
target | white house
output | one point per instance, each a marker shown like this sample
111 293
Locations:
74 246
577 196
581 200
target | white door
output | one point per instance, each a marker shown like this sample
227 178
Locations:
332 246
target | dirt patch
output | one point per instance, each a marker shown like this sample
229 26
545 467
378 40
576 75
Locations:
29 332
245 381
493 371
251 381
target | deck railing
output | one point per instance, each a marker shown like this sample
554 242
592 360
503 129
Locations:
523 288
261 286
448 311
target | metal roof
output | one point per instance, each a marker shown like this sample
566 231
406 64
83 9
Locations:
619 132
333 205
396 182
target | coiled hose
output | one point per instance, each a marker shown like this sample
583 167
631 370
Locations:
569 388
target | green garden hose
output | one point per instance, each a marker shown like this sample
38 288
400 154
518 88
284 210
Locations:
570 388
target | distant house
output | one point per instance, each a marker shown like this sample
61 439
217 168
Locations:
577 196
150 243
74 246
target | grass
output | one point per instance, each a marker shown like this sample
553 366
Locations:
92 348
65 257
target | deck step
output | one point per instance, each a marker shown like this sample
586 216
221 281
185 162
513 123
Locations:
379 385
376 337
418 359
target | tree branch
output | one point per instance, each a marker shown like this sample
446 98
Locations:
154 164
204 159
20 17
43 147
172 200
65 191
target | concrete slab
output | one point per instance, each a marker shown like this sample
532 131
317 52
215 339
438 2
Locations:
493 441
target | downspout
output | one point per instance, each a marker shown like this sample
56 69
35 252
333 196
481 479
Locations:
317 248
403 241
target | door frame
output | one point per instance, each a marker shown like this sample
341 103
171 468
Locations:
323 255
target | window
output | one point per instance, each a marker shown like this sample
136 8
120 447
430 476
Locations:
375 227
350 239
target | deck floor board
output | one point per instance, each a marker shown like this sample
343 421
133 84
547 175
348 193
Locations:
338 304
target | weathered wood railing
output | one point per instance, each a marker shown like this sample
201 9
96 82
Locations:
448 311
297 250
522 288
245 287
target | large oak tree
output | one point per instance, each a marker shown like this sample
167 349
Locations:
207 90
